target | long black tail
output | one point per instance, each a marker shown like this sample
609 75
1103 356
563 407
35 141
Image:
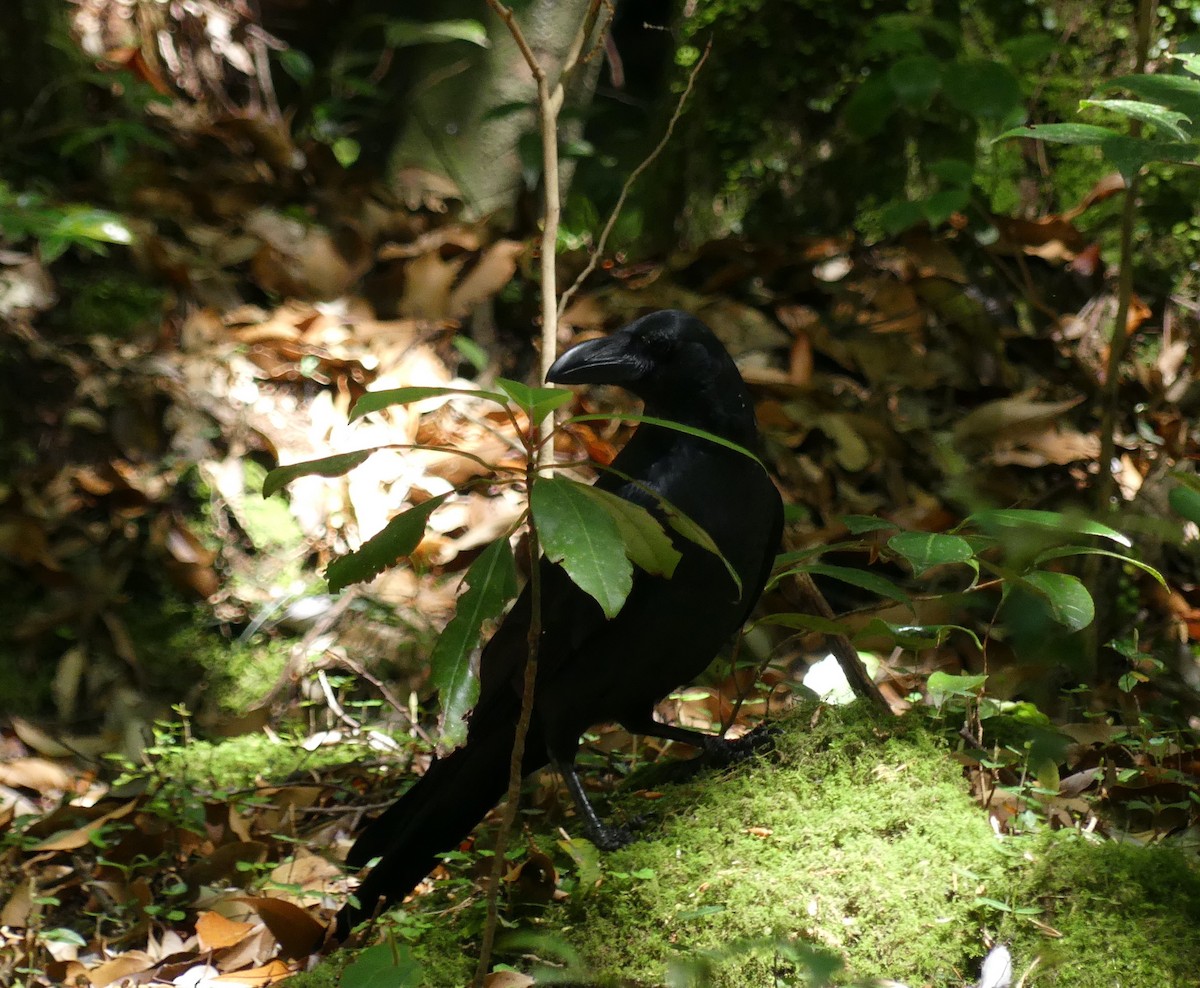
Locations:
434 816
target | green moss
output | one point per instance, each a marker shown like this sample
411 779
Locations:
1127 915
858 839
241 762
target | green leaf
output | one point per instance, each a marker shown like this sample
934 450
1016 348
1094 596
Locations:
1189 61
402 33
804 622
399 538
913 636
537 403
953 171
915 79
924 550
1067 524
941 685
1131 154
1090 550
646 542
577 532
374 401
491 582
1070 603
1066 133
1185 502
982 89
383 966
326 466
869 106
898 216
857 524
1151 113
941 205
871 582
1177 92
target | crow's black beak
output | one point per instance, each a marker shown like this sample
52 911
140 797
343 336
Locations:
608 360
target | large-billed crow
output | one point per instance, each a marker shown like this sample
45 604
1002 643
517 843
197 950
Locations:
591 669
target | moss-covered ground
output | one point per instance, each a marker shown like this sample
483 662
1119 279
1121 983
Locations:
855 837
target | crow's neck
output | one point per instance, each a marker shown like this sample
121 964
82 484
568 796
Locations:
725 411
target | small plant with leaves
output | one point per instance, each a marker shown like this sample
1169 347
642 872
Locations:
596 536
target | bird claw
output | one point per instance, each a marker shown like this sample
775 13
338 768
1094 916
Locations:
725 752
612 838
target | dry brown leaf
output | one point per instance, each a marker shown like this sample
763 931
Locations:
37 774
493 271
989 421
427 281
216 932
258 977
508 979
81 836
19 906
120 967
295 929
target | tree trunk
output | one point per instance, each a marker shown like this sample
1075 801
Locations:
451 129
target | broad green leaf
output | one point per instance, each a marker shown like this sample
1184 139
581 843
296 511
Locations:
869 106
953 171
857 524
1067 524
383 966
915 79
941 205
537 403
1090 550
326 466
1185 502
374 401
646 542
982 89
667 424
682 524
577 532
1131 154
1189 61
403 33
1066 133
1177 92
871 582
1070 603
924 550
399 538
942 684
785 559
1151 113
913 636
491 582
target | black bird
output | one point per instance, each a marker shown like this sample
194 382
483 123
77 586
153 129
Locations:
590 669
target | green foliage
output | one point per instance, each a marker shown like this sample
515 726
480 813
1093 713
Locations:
596 536
56 227
491 582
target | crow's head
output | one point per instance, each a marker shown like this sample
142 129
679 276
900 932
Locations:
670 360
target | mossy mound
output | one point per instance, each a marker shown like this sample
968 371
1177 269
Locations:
855 838
1127 915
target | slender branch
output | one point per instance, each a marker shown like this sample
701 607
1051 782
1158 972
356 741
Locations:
515 774
594 260
1106 482
539 451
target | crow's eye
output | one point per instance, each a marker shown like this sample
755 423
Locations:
660 346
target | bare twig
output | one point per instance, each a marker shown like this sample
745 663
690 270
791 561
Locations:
598 252
842 648
539 451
